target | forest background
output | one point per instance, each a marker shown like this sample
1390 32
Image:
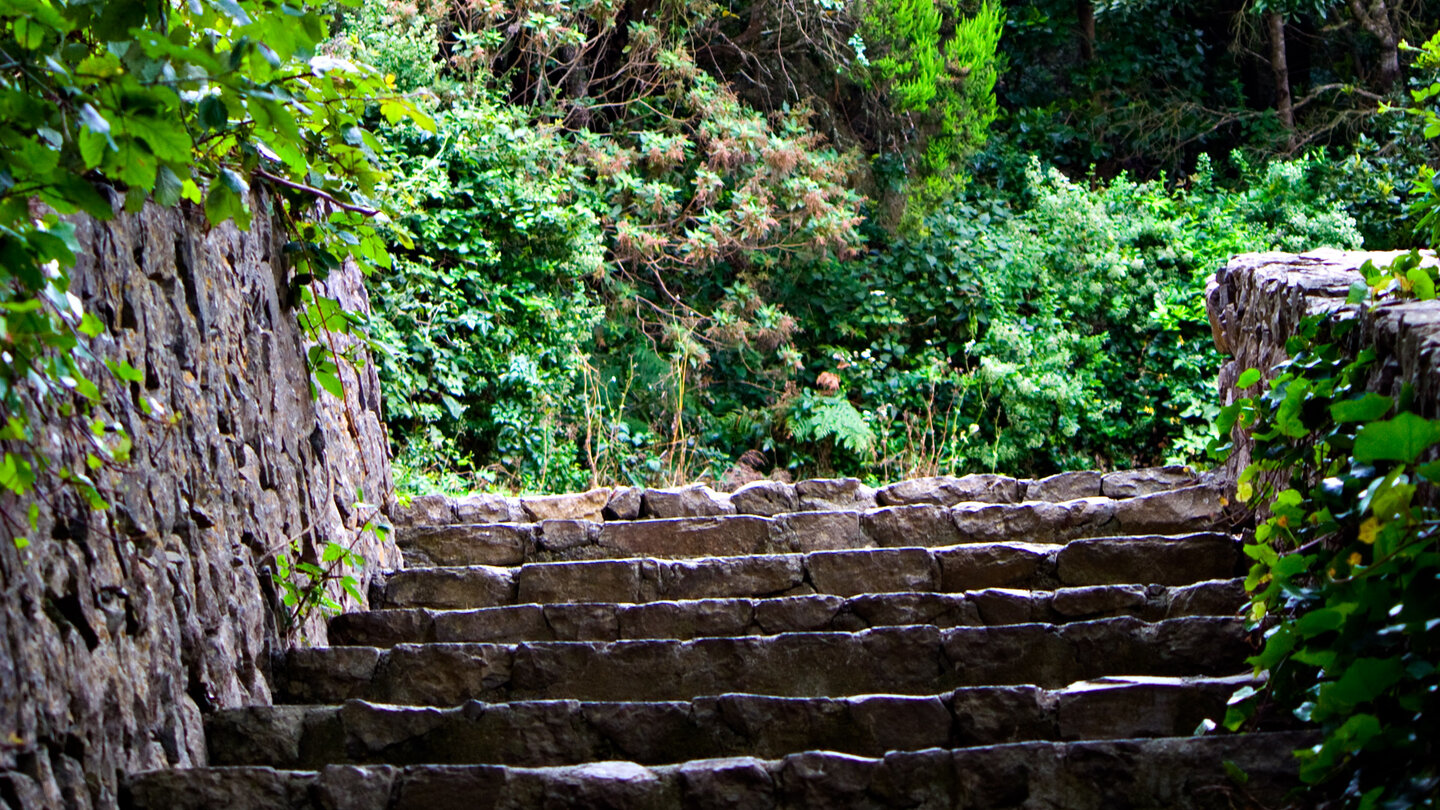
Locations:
653 241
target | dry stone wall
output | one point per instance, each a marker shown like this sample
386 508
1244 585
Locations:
118 629
1256 302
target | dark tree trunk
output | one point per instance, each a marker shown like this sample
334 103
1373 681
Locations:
1085 12
1280 69
1374 16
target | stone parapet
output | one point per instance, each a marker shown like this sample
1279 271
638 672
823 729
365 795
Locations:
1259 299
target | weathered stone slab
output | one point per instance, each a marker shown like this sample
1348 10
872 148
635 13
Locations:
497 625
624 503
424 510
564 535
921 525
797 614
584 621
476 586
826 494
382 628
1096 599
935 609
588 581
687 537
1066 486
1034 522
846 573
1221 597
1181 772
818 531
992 565
1180 510
487 508
766 498
1147 481
1147 560
730 576
1009 605
574 506
469 544
708 617
988 715
696 500
946 490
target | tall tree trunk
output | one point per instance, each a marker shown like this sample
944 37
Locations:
1280 67
1374 16
1085 12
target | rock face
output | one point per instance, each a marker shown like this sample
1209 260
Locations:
119 630
1256 302
952 646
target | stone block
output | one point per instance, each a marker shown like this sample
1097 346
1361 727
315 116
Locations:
696 500
846 573
818 531
589 581
470 544
766 498
1147 481
946 490
1157 559
564 535
687 537
575 506
1066 486
920 525
449 588
424 510
624 503
488 508
992 565
501 625
763 575
1178 510
826 494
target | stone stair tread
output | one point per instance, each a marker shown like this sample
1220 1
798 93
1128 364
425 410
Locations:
909 660
1187 509
1174 772
1132 559
736 616
562 732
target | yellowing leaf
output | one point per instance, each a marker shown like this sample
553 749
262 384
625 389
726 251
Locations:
1368 530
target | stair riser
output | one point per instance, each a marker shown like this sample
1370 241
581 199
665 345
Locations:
567 732
744 617
1150 560
1184 773
1183 510
905 660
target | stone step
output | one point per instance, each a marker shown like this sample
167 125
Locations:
1128 560
916 660
770 498
567 732
698 618
1184 773
1194 508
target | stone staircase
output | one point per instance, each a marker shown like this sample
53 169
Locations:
975 642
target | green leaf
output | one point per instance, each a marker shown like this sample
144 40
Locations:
1365 409
330 383
1359 290
1403 439
91 326
1422 284
1248 378
125 371
168 187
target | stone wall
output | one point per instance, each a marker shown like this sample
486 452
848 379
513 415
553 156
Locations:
119 628
1257 301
